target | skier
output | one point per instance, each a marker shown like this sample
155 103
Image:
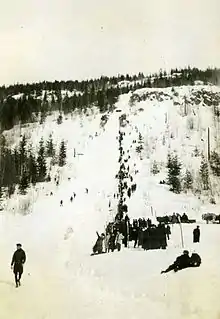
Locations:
71 199
61 203
196 235
18 259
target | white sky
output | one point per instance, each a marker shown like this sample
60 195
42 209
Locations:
75 39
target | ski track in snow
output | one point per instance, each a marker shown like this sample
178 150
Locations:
61 279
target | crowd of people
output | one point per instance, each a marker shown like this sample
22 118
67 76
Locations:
175 218
138 233
142 232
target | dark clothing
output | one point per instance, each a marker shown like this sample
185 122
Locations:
98 247
181 262
196 235
168 232
195 260
18 260
19 257
184 261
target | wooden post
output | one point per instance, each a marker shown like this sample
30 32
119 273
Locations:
208 143
181 231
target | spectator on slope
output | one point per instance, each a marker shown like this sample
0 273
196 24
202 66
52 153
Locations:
195 260
61 203
184 218
106 242
87 190
184 261
111 242
161 233
135 235
196 235
118 240
18 260
71 199
149 222
98 247
168 232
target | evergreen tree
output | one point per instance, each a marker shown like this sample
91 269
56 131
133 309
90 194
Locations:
174 171
22 154
41 162
62 154
32 168
215 163
50 150
188 180
204 174
24 183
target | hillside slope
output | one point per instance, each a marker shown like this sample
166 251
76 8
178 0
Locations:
61 280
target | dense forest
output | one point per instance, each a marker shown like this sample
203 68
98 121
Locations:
25 103
21 103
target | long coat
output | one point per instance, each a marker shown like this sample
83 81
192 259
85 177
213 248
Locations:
196 235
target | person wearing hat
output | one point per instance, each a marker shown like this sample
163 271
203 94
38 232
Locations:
181 262
18 260
196 235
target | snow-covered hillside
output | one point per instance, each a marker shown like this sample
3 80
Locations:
61 279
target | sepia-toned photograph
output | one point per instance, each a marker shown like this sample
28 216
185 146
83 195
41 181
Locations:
110 159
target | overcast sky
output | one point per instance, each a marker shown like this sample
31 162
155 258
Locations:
76 39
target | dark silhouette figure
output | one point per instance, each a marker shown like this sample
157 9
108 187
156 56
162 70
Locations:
87 190
61 203
18 260
98 247
184 261
71 199
184 218
168 232
196 235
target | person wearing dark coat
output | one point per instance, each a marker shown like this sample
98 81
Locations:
168 232
184 261
181 262
18 260
196 235
98 247
195 260
135 235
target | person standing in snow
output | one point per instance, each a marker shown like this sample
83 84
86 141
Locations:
106 242
196 235
118 240
18 260
168 232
